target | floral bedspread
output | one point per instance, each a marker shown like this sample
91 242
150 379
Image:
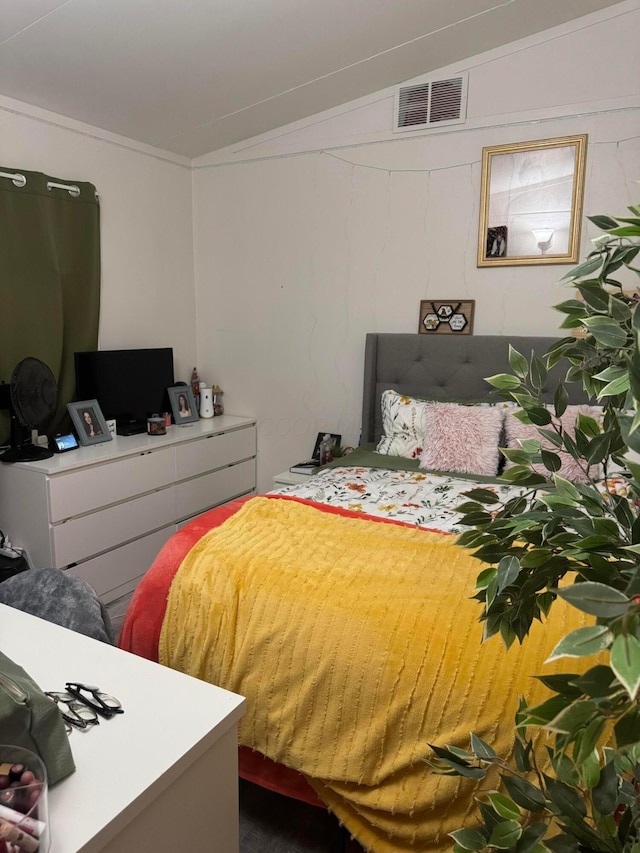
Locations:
422 498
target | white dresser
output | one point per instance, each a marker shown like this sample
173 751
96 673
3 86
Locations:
104 511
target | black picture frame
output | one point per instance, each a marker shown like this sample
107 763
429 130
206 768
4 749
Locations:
337 438
497 242
183 413
89 422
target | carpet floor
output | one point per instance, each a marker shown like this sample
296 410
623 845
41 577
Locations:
271 823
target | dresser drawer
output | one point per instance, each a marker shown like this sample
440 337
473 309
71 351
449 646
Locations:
215 488
214 451
83 490
83 537
108 573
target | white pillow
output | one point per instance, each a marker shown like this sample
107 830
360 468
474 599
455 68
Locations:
403 423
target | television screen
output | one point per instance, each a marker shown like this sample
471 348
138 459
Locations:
129 384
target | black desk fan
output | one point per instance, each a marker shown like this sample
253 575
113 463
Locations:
32 398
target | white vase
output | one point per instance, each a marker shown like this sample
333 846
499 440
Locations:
206 402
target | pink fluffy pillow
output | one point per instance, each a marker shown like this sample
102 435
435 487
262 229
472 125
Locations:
462 438
516 431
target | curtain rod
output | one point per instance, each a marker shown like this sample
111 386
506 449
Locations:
20 181
72 188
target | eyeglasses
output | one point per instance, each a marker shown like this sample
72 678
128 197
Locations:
74 712
80 705
103 704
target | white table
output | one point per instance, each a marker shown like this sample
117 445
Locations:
160 777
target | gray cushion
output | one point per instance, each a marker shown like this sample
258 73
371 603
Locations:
59 597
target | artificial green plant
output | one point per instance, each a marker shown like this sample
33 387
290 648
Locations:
579 541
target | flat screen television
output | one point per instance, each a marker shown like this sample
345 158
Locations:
129 384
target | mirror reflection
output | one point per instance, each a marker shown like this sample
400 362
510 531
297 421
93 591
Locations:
531 202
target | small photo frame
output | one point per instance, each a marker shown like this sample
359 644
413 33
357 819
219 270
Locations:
89 422
446 316
336 438
496 242
183 405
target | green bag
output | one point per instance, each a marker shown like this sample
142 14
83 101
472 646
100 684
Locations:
30 719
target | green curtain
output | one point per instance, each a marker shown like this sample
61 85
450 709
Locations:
49 279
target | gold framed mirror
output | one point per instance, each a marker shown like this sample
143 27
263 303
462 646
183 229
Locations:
531 202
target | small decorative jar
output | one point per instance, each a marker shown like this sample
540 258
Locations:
218 406
156 425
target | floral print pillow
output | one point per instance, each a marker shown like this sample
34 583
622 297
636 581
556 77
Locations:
404 425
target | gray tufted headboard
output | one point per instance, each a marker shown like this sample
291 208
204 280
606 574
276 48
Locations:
442 368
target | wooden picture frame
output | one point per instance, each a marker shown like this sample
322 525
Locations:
183 405
89 422
446 316
532 191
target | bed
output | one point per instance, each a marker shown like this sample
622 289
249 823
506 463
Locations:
342 610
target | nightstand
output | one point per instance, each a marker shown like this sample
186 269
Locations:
286 478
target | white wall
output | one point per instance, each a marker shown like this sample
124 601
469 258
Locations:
147 296
311 236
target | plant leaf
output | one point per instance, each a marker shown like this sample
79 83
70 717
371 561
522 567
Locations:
584 268
578 715
560 400
518 363
538 372
604 223
505 807
504 381
564 800
482 749
485 496
505 834
469 839
605 793
524 793
595 297
530 838
627 727
595 598
606 331
597 682
582 642
625 662
508 570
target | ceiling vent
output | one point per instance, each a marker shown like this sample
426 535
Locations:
432 103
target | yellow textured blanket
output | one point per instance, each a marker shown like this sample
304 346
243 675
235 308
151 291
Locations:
356 644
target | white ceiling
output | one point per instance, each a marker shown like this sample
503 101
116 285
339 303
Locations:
193 76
